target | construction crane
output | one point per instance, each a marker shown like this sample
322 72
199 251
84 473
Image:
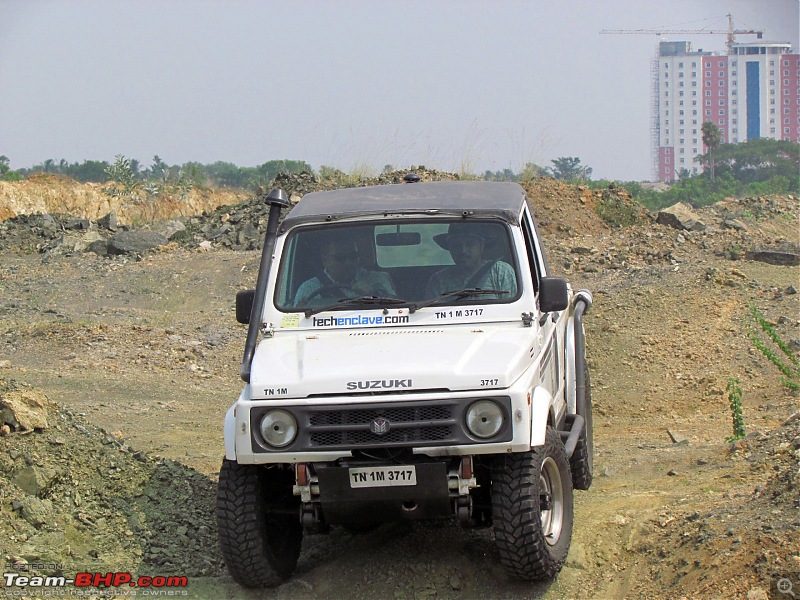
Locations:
731 32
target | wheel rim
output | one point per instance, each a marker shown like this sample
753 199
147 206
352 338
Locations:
551 501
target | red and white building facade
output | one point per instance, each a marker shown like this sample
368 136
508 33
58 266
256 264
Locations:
752 92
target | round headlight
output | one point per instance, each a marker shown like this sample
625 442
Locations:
278 428
484 418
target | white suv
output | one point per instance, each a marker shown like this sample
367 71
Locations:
416 361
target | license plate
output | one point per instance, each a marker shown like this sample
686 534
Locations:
362 477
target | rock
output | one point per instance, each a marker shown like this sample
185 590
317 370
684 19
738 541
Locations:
109 221
32 479
757 594
135 242
172 230
24 409
680 216
37 512
775 257
677 438
99 247
734 224
77 224
455 581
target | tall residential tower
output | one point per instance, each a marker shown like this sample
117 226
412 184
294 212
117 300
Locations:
751 92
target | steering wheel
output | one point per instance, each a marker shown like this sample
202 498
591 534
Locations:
324 289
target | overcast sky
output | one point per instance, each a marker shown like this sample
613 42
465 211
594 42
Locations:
355 84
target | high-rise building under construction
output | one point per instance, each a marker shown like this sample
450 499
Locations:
751 92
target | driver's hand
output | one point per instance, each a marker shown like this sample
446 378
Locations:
361 289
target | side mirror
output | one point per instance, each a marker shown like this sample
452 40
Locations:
244 305
553 295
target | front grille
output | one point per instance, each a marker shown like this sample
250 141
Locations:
411 435
394 415
352 426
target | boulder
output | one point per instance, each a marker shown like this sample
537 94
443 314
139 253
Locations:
680 216
32 479
77 225
135 242
73 243
24 409
172 230
109 221
775 257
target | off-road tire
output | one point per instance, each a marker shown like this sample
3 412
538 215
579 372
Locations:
521 522
260 542
582 461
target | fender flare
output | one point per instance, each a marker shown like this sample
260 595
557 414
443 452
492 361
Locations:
229 429
230 434
541 413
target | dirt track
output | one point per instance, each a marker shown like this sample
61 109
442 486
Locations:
149 351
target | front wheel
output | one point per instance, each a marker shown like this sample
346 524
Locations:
532 510
258 523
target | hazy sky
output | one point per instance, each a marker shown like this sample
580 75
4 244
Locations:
454 85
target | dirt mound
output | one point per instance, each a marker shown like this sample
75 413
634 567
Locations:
76 498
742 538
568 209
56 194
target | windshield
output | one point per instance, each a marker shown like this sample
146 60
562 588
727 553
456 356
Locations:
399 263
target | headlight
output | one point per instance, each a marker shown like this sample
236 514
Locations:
484 418
278 428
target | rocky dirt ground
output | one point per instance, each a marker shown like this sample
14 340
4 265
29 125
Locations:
136 358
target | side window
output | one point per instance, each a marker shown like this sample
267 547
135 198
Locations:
530 249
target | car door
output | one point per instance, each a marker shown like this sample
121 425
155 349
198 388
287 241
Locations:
547 338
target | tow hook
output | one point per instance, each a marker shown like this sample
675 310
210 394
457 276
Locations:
460 481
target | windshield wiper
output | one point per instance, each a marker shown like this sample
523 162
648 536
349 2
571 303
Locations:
465 293
360 301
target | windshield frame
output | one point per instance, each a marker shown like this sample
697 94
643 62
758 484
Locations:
285 291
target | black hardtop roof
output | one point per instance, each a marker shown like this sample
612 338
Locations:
481 198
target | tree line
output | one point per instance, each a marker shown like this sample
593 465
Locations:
755 167
217 174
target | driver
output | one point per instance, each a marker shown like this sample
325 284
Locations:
342 276
467 243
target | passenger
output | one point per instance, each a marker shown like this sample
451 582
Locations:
467 243
342 276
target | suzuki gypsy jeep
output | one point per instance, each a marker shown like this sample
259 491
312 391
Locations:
416 361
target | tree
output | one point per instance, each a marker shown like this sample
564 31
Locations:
531 170
758 160
712 136
569 168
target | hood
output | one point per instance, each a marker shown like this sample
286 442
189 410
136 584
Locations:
301 364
